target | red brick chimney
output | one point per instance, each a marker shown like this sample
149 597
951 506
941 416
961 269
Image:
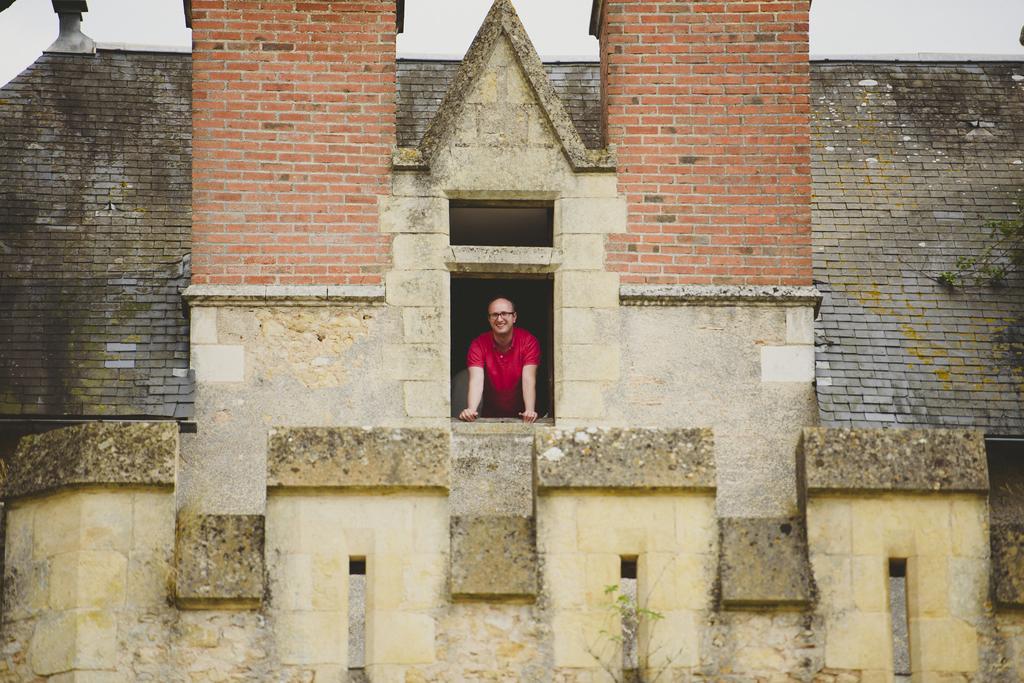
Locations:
293 124
708 106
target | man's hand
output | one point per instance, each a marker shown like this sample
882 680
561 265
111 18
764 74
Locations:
468 415
529 415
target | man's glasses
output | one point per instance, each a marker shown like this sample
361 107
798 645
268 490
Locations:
501 314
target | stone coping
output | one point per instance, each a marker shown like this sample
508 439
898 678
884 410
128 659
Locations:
475 259
912 460
605 458
717 295
93 454
283 295
358 457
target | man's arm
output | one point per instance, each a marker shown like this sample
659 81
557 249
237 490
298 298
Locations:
529 393
474 394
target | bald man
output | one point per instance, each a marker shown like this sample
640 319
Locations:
502 368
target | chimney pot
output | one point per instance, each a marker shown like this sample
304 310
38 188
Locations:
71 40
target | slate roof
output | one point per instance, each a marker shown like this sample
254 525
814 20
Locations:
95 230
909 161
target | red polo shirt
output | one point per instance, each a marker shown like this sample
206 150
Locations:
503 372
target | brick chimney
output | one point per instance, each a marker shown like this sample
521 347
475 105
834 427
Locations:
707 104
294 124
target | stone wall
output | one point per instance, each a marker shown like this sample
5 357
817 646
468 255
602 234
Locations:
710 118
93 589
744 368
290 157
279 359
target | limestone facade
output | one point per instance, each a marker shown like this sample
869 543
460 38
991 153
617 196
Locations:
683 445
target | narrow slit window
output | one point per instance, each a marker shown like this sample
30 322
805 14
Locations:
628 611
899 619
356 617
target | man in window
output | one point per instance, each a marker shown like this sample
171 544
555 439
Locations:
502 368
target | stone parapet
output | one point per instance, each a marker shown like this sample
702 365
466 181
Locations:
356 457
909 460
602 458
96 453
219 561
764 562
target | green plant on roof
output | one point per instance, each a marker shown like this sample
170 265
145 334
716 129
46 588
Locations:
1003 255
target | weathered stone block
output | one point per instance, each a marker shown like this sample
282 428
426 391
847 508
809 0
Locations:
83 520
1008 564
894 460
219 560
945 645
493 558
81 639
589 362
625 458
787 363
413 214
425 324
416 287
800 325
202 325
428 362
358 457
398 637
426 399
592 215
587 289
492 470
420 251
579 400
858 640
312 637
87 579
96 453
89 677
582 252
219 363
764 562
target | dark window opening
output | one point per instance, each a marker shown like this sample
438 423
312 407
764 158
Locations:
627 568
533 299
501 224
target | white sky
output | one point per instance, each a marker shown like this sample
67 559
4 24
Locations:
558 27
